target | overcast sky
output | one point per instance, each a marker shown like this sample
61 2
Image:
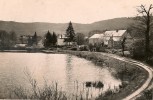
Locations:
61 11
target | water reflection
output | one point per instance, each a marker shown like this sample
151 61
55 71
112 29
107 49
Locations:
70 72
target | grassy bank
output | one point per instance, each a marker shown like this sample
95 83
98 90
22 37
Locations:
132 76
146 95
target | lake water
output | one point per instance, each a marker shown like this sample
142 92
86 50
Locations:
67 70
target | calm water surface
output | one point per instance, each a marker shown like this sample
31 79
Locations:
67 70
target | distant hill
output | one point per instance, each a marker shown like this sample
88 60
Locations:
41 28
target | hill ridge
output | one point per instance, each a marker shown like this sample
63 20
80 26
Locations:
42 27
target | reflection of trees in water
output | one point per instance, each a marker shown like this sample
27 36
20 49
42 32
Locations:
69 60
69 71
69 66
47 59
69 63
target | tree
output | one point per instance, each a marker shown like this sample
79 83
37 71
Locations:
80 38
48 40
123 45
145 24
34 39
13 36
21 39
30 41
54 39
70 34
139 49
4 39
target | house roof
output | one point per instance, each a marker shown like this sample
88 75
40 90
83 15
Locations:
108 33
106 38
119 33
96 36
115 33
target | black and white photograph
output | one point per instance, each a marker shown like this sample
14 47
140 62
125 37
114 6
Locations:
76 49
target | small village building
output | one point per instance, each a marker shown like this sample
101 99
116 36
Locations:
113 39
23 45
107 36
114 42
40 44
60 40
28 41
96 39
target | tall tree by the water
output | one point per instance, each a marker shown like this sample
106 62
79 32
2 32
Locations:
54 39
70 34
123 45
34 39
48 40
13 37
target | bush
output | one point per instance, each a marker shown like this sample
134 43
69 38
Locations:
138 50
74 48
83 48
147 95
35 92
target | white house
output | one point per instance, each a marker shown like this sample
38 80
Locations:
96 39
112 39
60 40
115 38
116 34
107 36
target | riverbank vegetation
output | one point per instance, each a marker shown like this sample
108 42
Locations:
146 95
53 91
7 39
47 92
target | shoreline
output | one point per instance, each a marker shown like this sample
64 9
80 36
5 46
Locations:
135 87
32 51
13 51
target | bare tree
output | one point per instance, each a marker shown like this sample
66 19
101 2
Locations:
123 45
145 25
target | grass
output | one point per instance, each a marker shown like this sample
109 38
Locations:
147 95
132 77
49 92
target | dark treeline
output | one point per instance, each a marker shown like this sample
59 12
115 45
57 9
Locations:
7 39
50 40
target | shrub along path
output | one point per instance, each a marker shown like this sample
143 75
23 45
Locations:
135 94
